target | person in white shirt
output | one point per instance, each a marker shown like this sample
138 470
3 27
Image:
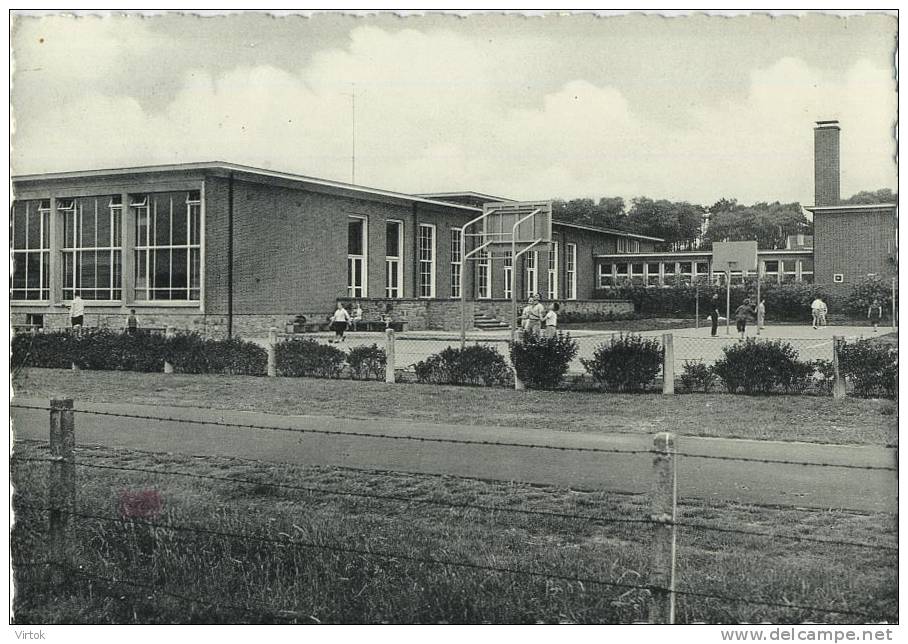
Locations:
77 312
818 311
550 321
532 315
357 316
339 321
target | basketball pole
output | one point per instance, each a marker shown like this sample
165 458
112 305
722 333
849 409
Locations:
728 300
756 308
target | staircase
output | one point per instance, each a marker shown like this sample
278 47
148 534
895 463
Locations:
487 322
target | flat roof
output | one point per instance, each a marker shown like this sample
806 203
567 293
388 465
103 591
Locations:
610 231
851 206
465 193
701 253
235 167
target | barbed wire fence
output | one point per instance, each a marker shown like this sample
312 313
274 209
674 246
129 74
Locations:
61 508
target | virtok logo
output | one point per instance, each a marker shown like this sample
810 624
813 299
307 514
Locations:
31 635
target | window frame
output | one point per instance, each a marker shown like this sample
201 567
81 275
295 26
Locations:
456 249
45 222
570 270
423 287
75 252
361 261
531 269
552 290
395 262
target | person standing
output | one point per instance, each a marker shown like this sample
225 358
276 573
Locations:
742 314
815 307
875 313
77 312
761 314
551 320
357 315
132 324
339 321
714 315
537 313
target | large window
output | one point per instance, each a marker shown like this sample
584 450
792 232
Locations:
92 247
507 274
356 257
30 250
168 246
456 262
483 273
570 271
529 272
552 290
426 246
394 243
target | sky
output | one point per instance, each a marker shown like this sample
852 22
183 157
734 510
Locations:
689 108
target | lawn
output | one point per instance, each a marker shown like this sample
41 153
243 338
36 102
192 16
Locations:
309 556
795 418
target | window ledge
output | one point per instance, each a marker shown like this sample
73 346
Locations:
29 303
165 304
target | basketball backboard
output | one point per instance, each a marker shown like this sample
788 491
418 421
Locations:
500 218
734 256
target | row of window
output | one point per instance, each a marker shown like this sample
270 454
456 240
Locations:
357 264
167 249
661 273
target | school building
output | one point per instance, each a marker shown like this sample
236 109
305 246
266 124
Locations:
227 249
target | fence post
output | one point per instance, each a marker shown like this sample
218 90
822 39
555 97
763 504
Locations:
62 488
168 367
389 355
838 384
664 498
272 341
668 364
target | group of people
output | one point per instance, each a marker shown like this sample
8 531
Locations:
743 314
77 316
537 319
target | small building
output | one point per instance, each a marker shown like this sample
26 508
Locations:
228 249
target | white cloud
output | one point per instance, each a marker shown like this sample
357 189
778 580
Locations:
435 112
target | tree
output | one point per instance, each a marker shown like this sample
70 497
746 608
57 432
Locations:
769 224
883 195
677 222
608 213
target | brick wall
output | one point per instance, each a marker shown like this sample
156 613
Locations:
826 165
853 243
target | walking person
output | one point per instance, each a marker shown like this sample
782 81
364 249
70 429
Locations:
77 312
875 313
761 314
714 315
339 321
551 320
742 314
815 307
132 323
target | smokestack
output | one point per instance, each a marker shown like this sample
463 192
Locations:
826 163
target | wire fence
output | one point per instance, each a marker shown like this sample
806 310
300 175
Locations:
70 560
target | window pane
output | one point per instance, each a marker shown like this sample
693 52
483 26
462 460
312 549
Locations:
392 243
19 224
195 274
771 267
180 215
161 219
105 227
141 259
143 224
87 269
194 223
161 278
685 267
33 270
179 269
703 267
34 227
19 268
355 237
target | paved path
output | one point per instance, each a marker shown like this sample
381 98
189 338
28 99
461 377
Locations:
764 483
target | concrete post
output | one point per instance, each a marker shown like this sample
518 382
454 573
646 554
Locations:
663 505
838 384
389 355
272 342
668 364
168 366
62 484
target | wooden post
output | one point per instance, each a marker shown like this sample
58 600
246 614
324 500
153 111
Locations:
389 356
168 367
272 342
663 503
62 488
668 364
838 384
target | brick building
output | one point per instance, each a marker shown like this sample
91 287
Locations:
228 249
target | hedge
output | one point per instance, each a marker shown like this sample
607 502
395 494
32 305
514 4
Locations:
472 365
762 367
628 363
541 362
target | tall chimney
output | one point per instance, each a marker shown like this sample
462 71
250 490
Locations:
826 163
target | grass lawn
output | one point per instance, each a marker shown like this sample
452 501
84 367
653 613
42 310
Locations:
796 418
280 580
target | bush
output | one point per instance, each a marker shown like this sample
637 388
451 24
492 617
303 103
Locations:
102 349
367 363
762 367
697 377
824 375
541 362
865 292
47 350
189 352
626 363
568 317
872 368
473 365
306 357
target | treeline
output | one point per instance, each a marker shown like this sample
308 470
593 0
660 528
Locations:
684 225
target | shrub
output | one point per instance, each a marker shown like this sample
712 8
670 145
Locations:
762 367
47 350
102 349
367 363
473 365
824 375
306 357
626 363
189 352
697 376
568 317
865 292
541 362
872 368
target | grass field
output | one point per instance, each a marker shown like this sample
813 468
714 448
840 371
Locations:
798 418
359 581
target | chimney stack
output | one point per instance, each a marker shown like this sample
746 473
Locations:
826 163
